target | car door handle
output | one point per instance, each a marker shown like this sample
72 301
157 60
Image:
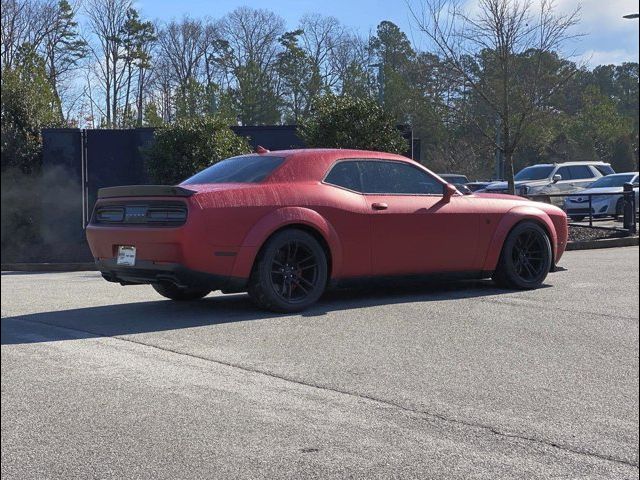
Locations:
379 206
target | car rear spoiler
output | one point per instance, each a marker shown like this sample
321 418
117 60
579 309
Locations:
144 191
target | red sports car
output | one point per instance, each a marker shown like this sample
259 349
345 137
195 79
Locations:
284 225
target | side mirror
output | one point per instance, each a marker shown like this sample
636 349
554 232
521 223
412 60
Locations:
557 177
448 191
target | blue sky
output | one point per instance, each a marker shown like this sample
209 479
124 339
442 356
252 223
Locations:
609 38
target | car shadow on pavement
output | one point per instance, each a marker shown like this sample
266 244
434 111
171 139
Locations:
161 315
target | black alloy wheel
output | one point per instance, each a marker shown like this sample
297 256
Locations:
294 271
526 257
290 272
529 255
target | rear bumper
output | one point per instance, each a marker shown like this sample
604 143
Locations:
148 272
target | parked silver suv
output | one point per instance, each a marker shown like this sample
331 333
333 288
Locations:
550 178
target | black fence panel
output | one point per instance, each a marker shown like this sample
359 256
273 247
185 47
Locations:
271 137
61 185
62 147
112 158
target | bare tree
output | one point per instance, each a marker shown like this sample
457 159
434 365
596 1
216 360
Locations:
510 42
351 60
25 24
247 50
63 49
182 44
106 20
137 38
321 38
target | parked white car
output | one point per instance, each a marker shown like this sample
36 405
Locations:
550 178
577 207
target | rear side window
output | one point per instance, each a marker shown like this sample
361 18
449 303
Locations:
346 175
605 169
397 178
579 172
244 169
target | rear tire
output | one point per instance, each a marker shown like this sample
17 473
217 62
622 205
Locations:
290 272
526 258
577 218
173 292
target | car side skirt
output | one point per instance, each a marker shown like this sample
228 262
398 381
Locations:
428 278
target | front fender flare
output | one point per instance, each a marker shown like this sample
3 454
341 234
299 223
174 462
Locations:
513 217
278 219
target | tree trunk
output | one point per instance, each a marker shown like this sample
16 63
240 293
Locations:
116 90
127 94
509 171
139 97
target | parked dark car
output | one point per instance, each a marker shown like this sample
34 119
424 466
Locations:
460 181
475 186
455 179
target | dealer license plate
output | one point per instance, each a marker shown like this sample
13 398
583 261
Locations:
126 255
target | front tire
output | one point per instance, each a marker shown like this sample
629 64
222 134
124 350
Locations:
173 292
290 272
526 258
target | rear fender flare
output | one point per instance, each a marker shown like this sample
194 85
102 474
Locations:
513 217
278 219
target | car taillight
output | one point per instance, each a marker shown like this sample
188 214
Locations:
166 214
110 214
155 213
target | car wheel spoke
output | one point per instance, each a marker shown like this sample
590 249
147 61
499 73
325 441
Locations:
528 255
294 271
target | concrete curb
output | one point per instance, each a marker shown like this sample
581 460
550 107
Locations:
49 267
604 243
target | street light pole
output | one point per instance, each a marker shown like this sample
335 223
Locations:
634 16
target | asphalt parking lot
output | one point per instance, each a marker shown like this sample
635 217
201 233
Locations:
406 381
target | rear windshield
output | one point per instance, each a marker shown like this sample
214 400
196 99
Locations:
535 173
244 169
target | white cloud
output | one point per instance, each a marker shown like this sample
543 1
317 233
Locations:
594 58
597 15
605 37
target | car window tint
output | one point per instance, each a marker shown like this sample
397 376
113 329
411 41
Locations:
536 172
455 179
605 169
580 172
397 178
243 169
564 172
345 174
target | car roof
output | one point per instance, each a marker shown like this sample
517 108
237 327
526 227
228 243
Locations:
311 164
564 164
